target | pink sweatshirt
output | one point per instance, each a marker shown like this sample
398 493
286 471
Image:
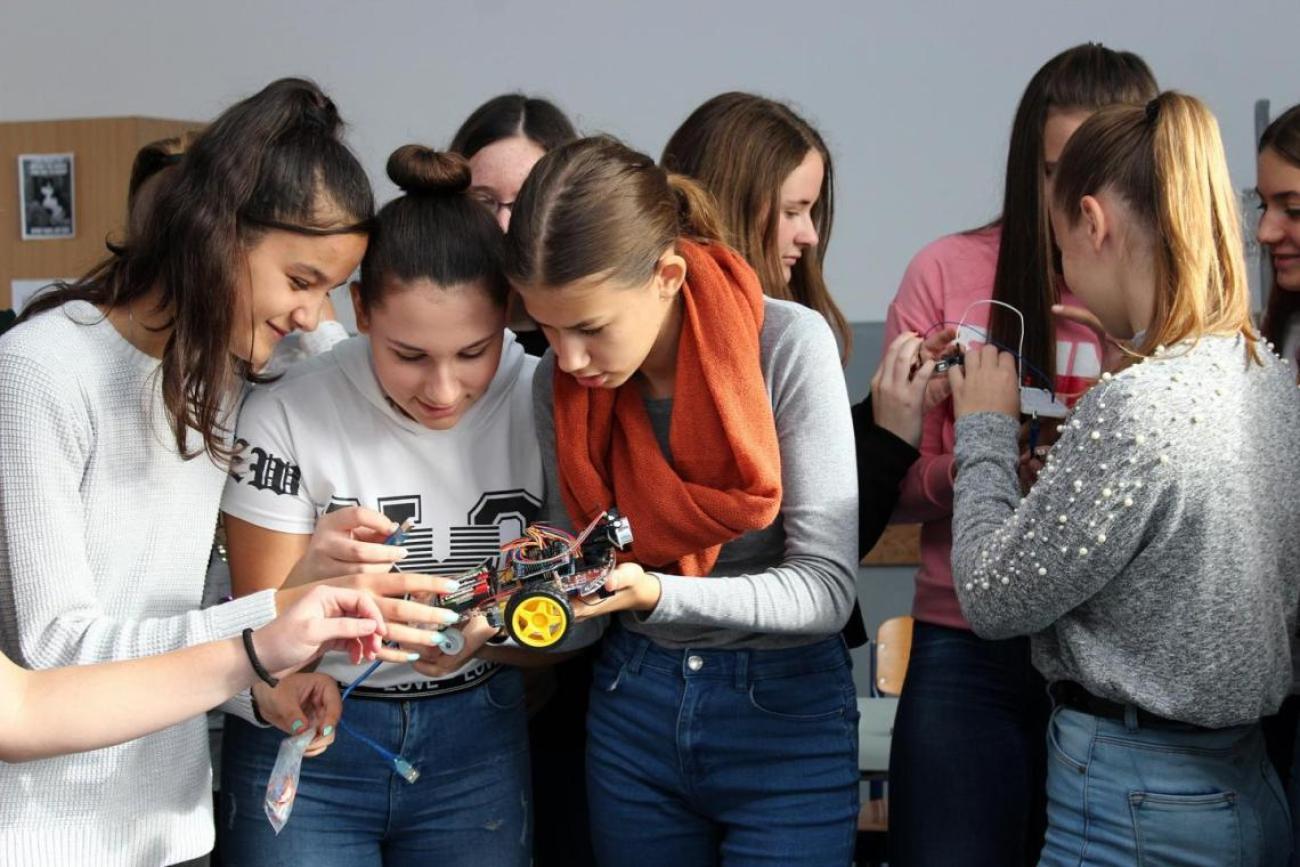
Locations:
940 284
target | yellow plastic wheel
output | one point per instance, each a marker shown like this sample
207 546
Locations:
538 618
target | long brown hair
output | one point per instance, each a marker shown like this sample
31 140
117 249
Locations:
1166 161
742 147
1086 77
152 163
595 206
272 161
1282 136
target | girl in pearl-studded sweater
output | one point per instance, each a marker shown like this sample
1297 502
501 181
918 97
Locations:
1154 562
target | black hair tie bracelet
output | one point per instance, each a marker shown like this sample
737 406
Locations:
258 668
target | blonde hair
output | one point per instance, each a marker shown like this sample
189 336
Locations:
1166 161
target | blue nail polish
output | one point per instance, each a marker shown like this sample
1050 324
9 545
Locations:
296 727
437 638
327 731
412 657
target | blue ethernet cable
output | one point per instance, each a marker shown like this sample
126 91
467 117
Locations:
404 769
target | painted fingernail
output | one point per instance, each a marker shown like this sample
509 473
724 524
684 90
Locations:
437 639
412 657
401 553
297 724
447 616
327 731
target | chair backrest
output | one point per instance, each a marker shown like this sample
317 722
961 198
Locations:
893 647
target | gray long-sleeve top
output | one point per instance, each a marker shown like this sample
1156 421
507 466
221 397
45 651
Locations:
1157 560
791 583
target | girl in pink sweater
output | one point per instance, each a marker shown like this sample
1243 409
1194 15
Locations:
967 763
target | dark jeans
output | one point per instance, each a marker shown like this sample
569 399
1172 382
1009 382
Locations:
699 757
967 768
557 737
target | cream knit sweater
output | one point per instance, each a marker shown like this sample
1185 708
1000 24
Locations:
104 541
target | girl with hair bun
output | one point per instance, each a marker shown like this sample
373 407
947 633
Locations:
115 440
1153 564
428 416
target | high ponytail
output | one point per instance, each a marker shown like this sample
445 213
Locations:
272 161
1166 160
595 206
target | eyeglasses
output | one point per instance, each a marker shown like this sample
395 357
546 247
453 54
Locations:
490 202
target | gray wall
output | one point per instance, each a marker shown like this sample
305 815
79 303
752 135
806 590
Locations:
914 98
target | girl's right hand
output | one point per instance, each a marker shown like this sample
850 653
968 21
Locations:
396 612
1113 353
302 701
901 392
344 542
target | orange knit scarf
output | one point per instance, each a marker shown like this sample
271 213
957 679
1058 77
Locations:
725 479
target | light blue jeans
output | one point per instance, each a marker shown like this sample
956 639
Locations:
1124 795
470 807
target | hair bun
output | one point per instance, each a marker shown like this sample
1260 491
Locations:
421 170
309 109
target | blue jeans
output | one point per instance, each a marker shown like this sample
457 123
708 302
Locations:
1121 794
699 757
967 762
470 805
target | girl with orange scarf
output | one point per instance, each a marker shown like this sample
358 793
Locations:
723 721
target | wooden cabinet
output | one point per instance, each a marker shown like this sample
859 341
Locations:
103 151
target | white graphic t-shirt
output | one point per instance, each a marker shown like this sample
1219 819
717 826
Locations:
326 437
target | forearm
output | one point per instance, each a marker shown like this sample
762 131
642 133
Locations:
883 462
1018 566
78 637
795 598
79 708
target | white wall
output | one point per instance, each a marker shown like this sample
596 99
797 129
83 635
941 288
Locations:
915 98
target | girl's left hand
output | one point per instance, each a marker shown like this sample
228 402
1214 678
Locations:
434 663
634 589
986 382
302 701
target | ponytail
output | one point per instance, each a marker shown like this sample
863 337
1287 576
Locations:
272 161
595 206
1166 160
697 214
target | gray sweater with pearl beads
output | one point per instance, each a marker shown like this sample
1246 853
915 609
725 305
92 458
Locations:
1156 561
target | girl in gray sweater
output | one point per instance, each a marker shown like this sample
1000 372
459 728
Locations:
1154 564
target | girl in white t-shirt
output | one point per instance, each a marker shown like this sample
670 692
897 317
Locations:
428 416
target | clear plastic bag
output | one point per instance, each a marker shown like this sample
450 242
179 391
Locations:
282 787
